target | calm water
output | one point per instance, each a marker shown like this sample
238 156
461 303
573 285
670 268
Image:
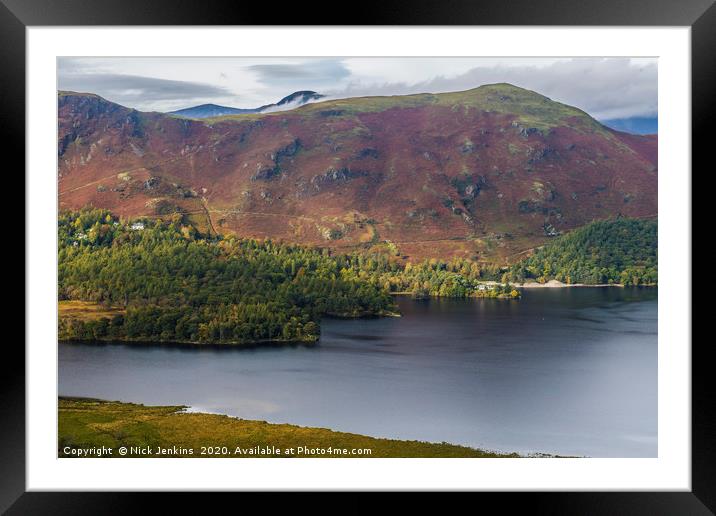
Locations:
568 371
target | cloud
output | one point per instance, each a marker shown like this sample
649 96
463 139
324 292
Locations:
138 87
307 74
606 88
288 106
133 90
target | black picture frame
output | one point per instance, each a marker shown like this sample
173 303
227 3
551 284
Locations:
17 15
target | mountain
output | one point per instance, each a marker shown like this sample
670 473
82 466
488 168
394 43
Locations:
295 99
299 98
209 110
636 125
486 174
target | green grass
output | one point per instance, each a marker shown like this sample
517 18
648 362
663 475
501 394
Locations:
63 93
90 423
531 109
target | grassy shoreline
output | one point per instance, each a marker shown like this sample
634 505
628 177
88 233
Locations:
97 428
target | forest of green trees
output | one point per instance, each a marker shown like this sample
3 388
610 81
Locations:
621 250
176 285
430 278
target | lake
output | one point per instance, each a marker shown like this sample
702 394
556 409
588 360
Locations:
569 371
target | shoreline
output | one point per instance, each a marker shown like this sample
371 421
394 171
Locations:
82 421
315 339
558 284
83 311
535 285
276 343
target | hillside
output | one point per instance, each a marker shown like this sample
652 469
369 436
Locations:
623 251
483 174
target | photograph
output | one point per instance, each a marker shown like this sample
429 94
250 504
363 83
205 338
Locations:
438 249
357 257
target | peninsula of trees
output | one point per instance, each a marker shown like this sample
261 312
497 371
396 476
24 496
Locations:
162 281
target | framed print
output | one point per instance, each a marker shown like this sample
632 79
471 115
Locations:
436 249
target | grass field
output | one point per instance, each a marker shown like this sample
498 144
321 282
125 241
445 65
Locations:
167 431
86 310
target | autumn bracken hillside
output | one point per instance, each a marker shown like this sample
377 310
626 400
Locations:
484 174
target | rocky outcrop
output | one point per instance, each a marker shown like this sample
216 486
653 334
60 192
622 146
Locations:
334 176
267 173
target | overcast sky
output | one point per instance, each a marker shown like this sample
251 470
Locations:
607 88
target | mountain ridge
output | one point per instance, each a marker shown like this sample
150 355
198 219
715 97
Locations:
214 110
209 110
484 174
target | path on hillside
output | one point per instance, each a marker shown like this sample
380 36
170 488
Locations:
149 168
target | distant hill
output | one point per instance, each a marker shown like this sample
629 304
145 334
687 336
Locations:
634 125
485 174
210 110
295 99
299 98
